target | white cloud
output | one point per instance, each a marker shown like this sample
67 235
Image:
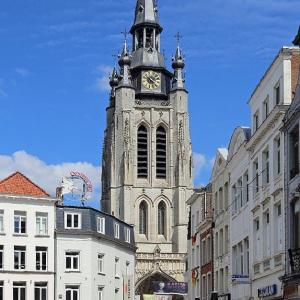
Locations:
47 176
202 167
22 72
102 80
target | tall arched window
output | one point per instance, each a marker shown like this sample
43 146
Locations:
161 218
142 152
143 218
161 153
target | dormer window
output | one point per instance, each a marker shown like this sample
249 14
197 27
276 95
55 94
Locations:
117 230
72 221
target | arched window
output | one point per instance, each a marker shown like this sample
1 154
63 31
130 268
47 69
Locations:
142 152
161 218
161 153
143 218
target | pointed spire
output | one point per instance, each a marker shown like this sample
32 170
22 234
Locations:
296 41
146 12
178 65
124 63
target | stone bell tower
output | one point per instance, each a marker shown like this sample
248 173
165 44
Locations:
147 154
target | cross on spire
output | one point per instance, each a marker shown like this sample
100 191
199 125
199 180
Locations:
178 37
125 33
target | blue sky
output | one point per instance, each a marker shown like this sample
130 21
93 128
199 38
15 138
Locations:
56 55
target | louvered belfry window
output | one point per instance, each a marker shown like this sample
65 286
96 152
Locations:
161 153
142 152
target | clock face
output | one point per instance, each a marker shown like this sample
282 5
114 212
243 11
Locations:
151 80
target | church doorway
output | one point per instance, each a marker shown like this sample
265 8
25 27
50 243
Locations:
145 285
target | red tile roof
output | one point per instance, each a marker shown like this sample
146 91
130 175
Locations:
19 184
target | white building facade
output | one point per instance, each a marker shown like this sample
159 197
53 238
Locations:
27 249
269 104
95 255
221 209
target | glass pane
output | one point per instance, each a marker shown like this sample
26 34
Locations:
44 294
44 261
23 226
75 295
17 228
37 294
75 261
69 220
23 294
38 261
1 293
16 294
23 259
68 295
16 259
68 262
75 221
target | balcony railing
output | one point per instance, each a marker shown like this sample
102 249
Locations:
294 255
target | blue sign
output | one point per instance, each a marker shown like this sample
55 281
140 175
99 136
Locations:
267 291
170 288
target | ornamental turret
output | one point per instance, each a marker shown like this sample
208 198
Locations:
124 63
113 82
178 65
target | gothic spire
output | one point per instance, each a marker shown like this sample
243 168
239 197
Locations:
178 65
146 12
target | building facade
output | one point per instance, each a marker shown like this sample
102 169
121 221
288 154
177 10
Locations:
269 104
27 248
200 246
291 279
221 210
95 255
147 155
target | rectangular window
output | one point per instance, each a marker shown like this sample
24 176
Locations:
226 239
247 257
279 227
72 221
256 177
277 156
117 230
101 225
41 258
101 293
40 291
234 200
255 121
241 259
246 187
117 267
1 290
240 193
1 257
19 258
20 223
1 221
19 291
294 152
41 224
266 108
101 263
277 94
266 235
72 261
266 167
72 293
234 261
296 224
127 235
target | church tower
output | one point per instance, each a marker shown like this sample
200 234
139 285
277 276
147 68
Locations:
147 154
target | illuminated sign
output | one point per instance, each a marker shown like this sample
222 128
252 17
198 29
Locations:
171 288
78 175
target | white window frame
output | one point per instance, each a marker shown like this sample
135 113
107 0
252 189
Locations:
101 225
1 221
72 214
2 256
116 230
19 286
40 218
72 289
73 255
101 263
127 234
20 266
41 286
101 293
20 217
39 252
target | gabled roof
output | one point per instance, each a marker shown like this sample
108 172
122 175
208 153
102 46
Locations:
19 184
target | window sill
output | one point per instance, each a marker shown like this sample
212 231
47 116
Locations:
101 273
72 271
20 234
42 236
2 233
117 277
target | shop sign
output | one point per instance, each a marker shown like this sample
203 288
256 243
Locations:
267 291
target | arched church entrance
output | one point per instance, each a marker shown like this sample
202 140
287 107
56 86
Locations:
145 284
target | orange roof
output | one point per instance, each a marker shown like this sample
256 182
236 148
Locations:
19 184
